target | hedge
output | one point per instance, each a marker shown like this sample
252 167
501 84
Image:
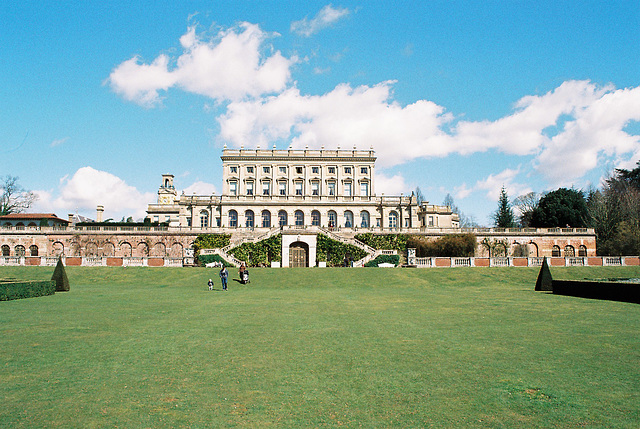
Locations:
453 245
335 252
210 241
384 259
26 289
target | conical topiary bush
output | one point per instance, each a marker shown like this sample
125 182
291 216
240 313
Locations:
60 277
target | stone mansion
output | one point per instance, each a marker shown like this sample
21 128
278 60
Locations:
263 189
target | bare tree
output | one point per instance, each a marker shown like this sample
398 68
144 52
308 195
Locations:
525 205
13 197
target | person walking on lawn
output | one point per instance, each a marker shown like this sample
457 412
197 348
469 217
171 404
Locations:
224 274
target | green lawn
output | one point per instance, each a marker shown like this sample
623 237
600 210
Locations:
375 347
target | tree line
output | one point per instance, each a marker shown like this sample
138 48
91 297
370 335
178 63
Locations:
612 211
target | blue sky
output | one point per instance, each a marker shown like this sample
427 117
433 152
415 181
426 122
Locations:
98 99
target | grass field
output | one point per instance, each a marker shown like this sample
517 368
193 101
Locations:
150 347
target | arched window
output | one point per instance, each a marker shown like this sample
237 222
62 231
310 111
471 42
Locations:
33 250
393 219
282 218
555 251
582 251
569 251
6 250
364 219
19 249
348 219
233 219
204 219
248 218
299 218
315 218
333 219
266 219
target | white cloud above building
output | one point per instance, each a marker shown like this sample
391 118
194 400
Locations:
326 17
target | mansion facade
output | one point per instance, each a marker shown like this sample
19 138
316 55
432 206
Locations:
263 189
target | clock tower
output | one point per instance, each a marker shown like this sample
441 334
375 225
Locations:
167 193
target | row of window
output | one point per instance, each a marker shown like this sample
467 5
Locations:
283 170
299 188
19 250
299 219
569 251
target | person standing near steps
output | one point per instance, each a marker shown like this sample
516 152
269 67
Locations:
224 274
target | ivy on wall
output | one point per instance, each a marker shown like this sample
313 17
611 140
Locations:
385 241
336 253
260 254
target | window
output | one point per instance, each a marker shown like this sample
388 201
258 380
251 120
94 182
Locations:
233 169
6 250
248 218
347 170
299 218
364 219
347 189
364 189
20 251
233 188
315 218
555 251
331 187
249 169
332 170
430 220
315 188
204 219
333 218
298 188
266 169
249 188
266 188
348 219
315 170
189 222
233 219
266 219
282 218
364 170
569 252
283 170
582 250
393 220
282 188
298 170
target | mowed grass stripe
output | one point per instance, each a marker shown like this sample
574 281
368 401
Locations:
144 347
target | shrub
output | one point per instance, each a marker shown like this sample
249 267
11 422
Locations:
453 245
26 289
210 241
335 252
384 259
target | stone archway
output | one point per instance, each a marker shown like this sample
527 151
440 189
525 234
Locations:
298 254
298 249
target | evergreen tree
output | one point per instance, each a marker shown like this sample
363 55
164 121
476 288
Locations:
504 217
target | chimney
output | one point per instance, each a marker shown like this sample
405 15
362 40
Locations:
70 217
99 213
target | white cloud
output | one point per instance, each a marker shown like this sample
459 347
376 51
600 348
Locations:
462 191
564 132
200 188
492 184
58 142
393 185
230 66
88 188
326 17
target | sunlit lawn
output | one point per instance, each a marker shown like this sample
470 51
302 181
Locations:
375 347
